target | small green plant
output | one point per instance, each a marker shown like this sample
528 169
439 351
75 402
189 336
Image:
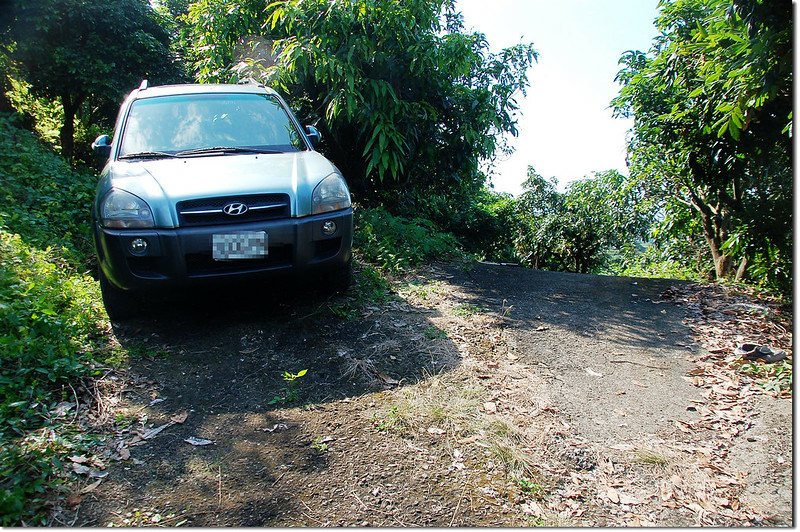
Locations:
433 332
529 487
773 378
290 392
388 420
465 310
537 521
422 291
647 456
319 446
370 288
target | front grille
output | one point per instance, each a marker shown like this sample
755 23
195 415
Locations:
200 264
208 211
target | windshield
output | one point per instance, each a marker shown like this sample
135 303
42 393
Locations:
171 124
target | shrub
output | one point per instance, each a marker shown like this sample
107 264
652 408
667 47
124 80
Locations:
52 322
42 199
51 328
394 243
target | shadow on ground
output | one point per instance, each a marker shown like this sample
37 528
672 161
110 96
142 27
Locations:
223 358
626 311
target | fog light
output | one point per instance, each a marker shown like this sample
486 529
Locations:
138 246
328 228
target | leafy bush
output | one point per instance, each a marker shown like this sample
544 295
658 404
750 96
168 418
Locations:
52 322
42 199
484 222
51 328
394 243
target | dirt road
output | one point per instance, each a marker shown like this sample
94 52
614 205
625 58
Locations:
483 395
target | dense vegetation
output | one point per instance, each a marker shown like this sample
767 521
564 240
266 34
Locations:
414 109
52 323
712 104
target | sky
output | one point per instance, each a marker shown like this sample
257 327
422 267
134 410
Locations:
566 129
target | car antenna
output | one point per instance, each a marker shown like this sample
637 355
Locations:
143 86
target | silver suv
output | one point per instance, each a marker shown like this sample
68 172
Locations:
208 183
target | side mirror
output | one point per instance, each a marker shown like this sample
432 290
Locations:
102 146
314 136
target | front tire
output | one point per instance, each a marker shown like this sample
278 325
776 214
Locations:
120 305
339 281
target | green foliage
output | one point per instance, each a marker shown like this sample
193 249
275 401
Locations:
712 106
774 378
369 288
52 322
466 310
484 222
43 199
51 330
529 487
433 332
394 243
407 101
290 393
576 230
75 51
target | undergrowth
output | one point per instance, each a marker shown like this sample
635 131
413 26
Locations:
52 323
393 243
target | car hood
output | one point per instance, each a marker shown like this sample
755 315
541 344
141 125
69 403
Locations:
162 183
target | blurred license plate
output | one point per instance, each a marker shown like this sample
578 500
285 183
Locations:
247 245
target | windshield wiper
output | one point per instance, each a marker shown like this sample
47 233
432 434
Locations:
146 155
223 149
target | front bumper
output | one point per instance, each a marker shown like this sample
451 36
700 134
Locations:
183 256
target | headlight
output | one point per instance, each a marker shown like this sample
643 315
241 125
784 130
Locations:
330 195
123 210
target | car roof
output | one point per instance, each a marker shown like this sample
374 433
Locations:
200 88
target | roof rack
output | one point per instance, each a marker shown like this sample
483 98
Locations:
143 86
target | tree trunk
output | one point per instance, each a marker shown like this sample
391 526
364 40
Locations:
722 261
714 232
742 270
67 133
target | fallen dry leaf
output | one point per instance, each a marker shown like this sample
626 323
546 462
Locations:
180 417
385 378
277 426
80 469
91 487
625 498
152 433
198 442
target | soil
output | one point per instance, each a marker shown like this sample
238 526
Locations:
478 395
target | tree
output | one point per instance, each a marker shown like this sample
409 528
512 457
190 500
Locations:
575 230
409 104
73 50
712 108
